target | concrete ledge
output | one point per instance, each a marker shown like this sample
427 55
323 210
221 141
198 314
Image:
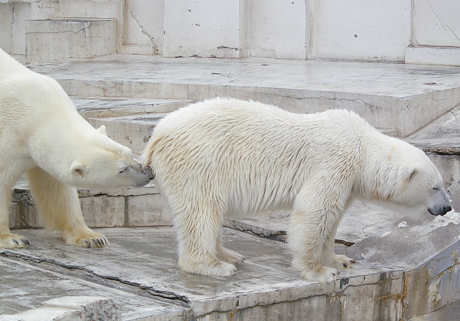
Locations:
84 308
58 40
433 56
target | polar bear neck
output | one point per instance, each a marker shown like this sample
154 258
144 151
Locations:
383 167
10 66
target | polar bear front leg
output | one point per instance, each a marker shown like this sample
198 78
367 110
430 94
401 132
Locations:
328 256
227 255
306 238
60 208
198 229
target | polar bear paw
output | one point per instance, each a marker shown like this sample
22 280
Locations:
208 265
13 241
86 239
340 261
314 271
323 274
230 256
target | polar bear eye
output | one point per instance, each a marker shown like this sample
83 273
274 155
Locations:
436 188
123 169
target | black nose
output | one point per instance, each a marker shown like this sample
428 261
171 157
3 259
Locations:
440 210
446 209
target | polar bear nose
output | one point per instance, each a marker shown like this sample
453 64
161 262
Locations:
440 210
446 209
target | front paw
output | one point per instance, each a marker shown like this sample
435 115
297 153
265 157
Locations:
230 256
13 241
86 239
341 261
314 271
323 274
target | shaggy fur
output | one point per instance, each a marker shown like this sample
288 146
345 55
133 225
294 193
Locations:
41 133
227 156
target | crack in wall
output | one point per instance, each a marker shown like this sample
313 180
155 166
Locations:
444 26
151 38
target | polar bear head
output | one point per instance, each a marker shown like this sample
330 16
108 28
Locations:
106 164
84 157
403 174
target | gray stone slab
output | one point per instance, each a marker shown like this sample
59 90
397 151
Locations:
97 107
26 286
448 313
265 286
415 238
390 96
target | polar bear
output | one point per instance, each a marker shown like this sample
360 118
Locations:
227 156
41 133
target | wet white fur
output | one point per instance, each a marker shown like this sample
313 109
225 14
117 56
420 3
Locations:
41 133
227 156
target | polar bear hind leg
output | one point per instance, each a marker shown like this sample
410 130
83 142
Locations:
198 232
8 179
60 209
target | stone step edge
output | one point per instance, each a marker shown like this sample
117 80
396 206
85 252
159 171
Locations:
129 207
146 106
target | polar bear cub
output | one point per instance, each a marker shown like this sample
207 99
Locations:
229 156
42 134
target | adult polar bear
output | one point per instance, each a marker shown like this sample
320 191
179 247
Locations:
42 133
222 156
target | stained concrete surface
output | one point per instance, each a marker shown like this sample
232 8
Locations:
138 271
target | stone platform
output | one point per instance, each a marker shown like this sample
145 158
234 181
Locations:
394 97
136 277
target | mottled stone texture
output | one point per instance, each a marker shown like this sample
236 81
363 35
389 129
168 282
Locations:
63 39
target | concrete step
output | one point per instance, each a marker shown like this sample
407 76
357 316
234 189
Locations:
399 98
129 121
136 206
441 141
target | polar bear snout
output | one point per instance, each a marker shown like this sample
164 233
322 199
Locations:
440 202
145 175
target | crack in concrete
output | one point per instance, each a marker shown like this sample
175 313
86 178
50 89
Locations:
91 276
453 114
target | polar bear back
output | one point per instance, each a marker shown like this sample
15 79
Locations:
250 156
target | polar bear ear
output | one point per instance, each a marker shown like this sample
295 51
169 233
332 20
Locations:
409 172
102 130
77 169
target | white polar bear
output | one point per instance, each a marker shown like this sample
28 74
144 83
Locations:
229 156
42 133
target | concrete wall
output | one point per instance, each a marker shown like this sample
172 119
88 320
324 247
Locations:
414 31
